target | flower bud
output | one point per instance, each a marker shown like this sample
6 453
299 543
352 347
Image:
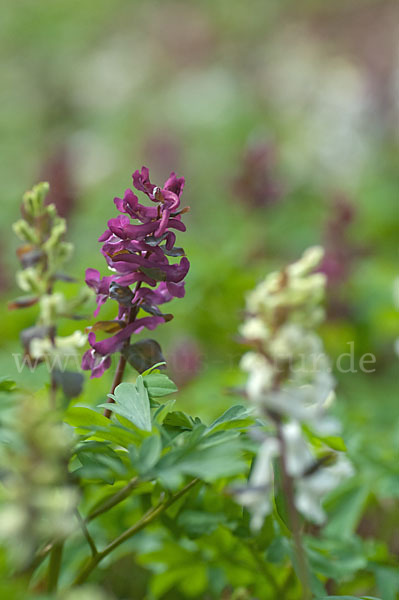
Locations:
61 348
51 306
57 231
33 200
311 259
25 232
29 281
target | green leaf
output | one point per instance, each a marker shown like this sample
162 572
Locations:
336 558
280 503
94 425
183 569
348 598
345 507
335 443
154 368
99 462
6 384
80 416
195 522
179 419
132 403
149 454
208 464
234 417
117 434
193 577
387 579
278 550
159 385
196 435
162 410
316 586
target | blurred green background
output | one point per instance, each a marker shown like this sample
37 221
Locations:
282 116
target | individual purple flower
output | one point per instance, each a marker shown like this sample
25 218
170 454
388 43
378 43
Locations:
98 358
94 361
139 247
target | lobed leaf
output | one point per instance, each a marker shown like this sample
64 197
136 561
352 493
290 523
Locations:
132 403
159 385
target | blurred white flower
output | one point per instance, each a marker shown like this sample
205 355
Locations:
310 259
13 520
290 382
260 377
51 306
329 108
294 292
298 457
254 329
292 340
257 495
62 347
303 401
50 504
37 500
311 489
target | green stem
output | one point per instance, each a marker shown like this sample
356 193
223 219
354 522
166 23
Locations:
54 566
107 505
86 533
145 520
113 500
53 393
295 526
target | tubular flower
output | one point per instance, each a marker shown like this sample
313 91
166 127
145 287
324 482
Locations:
137 246
291 386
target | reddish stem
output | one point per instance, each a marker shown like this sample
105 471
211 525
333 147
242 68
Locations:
120 369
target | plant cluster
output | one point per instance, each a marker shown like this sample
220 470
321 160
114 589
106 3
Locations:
230 509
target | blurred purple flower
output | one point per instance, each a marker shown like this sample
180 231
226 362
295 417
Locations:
341 254
162 149
138 253
340 251
184 362
257 184
57 171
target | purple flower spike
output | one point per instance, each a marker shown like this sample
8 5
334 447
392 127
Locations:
138 247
